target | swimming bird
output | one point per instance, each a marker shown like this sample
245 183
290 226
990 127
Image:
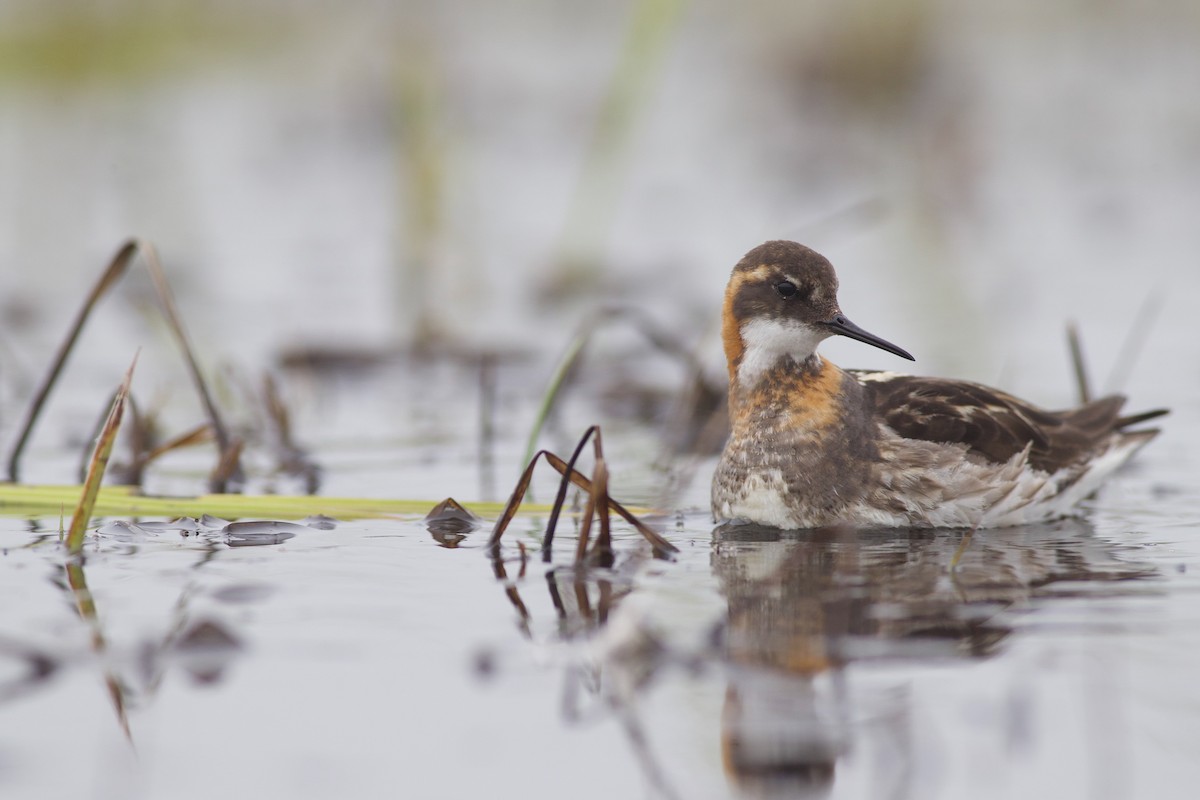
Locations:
814 445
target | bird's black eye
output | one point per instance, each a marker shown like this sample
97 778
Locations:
786 289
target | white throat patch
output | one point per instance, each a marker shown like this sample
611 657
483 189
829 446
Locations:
766 341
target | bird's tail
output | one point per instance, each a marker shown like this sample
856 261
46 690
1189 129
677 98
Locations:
1138 419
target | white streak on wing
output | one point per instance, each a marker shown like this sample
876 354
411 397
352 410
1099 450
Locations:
877 377
766 341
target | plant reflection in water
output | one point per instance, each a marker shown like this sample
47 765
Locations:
201 647
803 607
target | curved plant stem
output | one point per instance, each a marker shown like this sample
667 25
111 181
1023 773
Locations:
116 268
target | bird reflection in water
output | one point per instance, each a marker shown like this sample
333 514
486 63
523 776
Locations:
801 608
803 605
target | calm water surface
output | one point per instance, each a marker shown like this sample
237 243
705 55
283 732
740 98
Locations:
1017 171
371 660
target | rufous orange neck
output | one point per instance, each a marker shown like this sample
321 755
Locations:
731 336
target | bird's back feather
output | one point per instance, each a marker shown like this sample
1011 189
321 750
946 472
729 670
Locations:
993 424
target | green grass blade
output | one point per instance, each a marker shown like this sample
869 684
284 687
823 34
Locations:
95 473
29 501
556 383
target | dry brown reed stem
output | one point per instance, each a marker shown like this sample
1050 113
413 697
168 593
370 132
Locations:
560 497
600 482
197 435
116 268
595 505
140 443
290 457
228 468
597 497
662 548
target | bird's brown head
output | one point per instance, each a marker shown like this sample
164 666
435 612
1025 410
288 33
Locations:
781 303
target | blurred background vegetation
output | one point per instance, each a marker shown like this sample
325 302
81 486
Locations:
482 175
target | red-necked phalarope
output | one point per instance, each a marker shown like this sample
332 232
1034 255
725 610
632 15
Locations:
814 445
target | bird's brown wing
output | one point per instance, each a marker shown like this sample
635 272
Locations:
992 423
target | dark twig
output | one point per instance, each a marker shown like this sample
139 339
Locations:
561 497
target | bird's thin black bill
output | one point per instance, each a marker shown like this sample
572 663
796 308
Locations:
844 327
